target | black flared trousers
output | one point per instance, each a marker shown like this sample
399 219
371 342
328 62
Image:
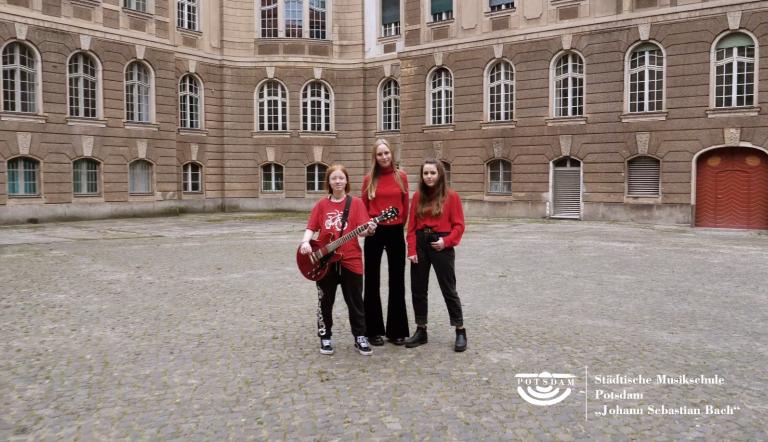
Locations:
389 238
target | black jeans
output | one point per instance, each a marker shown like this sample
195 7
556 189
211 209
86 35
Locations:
352 289
444 263
389 238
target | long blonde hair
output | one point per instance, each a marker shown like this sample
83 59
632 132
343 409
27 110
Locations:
375 170
432 199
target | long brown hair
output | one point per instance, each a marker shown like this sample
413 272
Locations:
432 198
333 168
375 170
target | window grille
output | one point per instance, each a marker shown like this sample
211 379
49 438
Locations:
137 90
316 177
390 106
569 86
735 71
271 178
19 78
23 175
441 97
294 18
646 79
187 14
273 107
189 102
500 177
140 177
269 18
192 178
501 93
82 84
85 177
316 108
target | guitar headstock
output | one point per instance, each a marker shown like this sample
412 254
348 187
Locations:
388 213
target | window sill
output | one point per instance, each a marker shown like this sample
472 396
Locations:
311 134
438 128
509 124
87 199
271 134
14 200
79 121
141 126
387 133
436 24
490 197
633 199
141 197
193 195
23 117
389 39
194 132
643 116
138 14
746 111
193 33
500 13
271 194
87 3
566 121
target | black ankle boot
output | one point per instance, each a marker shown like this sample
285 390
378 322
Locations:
418 338
461 340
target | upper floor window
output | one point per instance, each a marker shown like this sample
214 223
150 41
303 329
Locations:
390 18
294 18
187 14
138 87
317 13
269 18
136 5
500 176
189 102
643 176
390 105
23 176
271 177
568 85
442 10
316 107
646 78
85 177
82 85
316 177
140 177
272 106
20 82
500 5
501 92
735 71
441 97
192 178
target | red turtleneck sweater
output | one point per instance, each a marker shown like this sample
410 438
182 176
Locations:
388 194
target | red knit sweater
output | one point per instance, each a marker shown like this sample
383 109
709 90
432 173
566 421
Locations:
388 193
451 221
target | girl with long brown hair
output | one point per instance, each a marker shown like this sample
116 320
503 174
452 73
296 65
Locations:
435 227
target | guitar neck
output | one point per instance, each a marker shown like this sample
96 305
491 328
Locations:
344 239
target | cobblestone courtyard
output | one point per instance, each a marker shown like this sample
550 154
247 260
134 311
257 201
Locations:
200 328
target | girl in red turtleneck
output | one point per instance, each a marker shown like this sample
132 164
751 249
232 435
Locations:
383 187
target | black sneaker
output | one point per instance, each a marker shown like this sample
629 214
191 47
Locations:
326 347
361 344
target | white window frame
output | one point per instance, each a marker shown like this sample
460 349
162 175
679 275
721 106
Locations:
628 71
261 107
305 16
84 181
131 189
99 99
187 176
490 183
276 8
570 77
629 177
37 69
137 5
391 29
327 122
186 123
488 85
318 183
22 175
273 182
394 106
445 93
188 15
318 10
713 70
151 93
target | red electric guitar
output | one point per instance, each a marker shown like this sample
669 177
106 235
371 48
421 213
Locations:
315 265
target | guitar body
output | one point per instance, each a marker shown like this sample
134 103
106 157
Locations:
314 266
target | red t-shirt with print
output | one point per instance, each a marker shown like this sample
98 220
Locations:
326 218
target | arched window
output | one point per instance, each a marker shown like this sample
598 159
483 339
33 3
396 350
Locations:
140 177
20 82
390 105
272 106
85 177
187 14
271 177
189 102
645 71
441 97
734 61
316 177
568 86
192 178
316 107
23 176
138 87
643 176
501 92
83 85
500 177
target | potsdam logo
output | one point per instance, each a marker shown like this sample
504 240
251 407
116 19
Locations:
544 388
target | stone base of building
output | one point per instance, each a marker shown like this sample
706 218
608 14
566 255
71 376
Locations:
639 213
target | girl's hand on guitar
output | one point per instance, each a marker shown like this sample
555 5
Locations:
305 248
371 228
414 259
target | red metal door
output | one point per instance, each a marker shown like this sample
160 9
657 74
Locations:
732 189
